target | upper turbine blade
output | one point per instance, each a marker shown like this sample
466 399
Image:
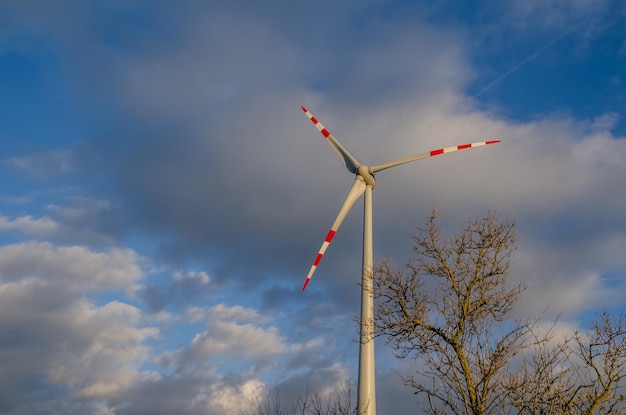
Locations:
351 163
358 188
375 169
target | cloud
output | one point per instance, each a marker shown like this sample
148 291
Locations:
78 356
29 225
329 382
78 220
232 338
42 165
194 395
74 266
558 13
89 219
221 368
59 345
184 289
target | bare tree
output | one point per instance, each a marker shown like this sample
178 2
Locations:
583 374
313 403
448 308
603 371
545 383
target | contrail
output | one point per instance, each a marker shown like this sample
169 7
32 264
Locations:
523 62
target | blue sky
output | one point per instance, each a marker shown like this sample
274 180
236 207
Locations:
162 195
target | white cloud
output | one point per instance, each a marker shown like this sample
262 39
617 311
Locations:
76 266
234 314
559 14
238 341
29 225
195 314
93 355
222 369
193 394
42 165
233 336
330 382
605 123
59 336
79 220
229 399
113 341
200 277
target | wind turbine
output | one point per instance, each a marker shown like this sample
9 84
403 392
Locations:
365 183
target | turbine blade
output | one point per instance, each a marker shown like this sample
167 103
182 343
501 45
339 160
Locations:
357 189
351 163
389 164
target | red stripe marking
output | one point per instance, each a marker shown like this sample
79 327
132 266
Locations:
317 259
492 141
330 235
436 152
306 282
325 132
462 146
314 120
303 109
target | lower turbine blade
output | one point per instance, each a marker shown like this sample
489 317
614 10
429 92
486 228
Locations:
358 188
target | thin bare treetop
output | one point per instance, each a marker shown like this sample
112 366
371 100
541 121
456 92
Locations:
470 270
579 374
446 308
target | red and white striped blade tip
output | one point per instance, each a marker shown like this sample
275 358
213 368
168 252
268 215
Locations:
461 147
320 254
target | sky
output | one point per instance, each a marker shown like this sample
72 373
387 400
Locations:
162 195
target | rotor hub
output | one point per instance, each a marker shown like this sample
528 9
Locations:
366 175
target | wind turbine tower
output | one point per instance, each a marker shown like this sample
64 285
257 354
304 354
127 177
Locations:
364 183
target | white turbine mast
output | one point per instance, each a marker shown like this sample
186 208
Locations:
365 183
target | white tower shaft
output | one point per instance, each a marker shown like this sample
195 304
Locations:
367 380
